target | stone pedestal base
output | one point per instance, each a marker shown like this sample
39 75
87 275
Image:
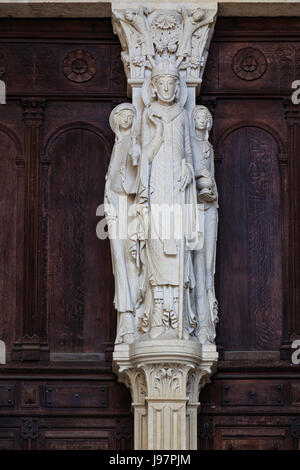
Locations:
165 378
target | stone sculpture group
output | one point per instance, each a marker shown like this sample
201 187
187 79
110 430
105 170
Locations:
161 207
163 165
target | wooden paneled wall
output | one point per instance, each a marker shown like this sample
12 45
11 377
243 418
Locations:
57 390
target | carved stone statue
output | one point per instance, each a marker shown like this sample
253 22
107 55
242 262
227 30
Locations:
191 23
136 19
162 170
204 259
120 189
166 171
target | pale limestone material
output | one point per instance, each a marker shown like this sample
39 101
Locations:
204 260
162 168
165 378
120 189
2 352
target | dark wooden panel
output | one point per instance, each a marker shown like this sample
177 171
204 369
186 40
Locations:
7 395
8 440
295 389
250 241
75 396
77 439
79 269
55 69
9 152
251 438
30 395
253 394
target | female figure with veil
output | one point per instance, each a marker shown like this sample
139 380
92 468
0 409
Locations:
120 190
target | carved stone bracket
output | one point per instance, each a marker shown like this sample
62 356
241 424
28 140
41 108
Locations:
165 380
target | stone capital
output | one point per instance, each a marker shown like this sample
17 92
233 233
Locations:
165 379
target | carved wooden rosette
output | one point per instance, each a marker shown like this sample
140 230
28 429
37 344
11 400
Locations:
164 376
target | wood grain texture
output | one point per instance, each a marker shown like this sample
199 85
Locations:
256 139
8 238
78 291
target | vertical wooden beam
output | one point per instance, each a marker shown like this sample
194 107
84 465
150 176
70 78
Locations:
31 348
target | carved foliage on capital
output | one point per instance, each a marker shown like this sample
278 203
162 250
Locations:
135 381
196 380
166 380
148 35
162 380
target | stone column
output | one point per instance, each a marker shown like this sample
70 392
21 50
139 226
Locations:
165 375
165 380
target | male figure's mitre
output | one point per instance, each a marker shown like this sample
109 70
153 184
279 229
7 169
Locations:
165 67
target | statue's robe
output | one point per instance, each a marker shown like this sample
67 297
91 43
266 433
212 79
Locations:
159 184
204 259
120 188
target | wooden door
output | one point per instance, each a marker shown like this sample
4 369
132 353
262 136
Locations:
253 398
57 390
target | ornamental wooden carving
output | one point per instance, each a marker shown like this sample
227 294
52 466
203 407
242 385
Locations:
79 66
249 64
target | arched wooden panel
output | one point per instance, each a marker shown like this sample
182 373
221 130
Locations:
8 238
249 246
79 297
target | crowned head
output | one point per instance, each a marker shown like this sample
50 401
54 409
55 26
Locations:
165 82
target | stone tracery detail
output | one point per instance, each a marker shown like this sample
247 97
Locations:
161 205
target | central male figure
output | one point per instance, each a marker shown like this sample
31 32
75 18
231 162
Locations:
166 171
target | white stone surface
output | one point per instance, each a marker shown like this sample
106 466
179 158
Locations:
2 352
165 378
161 207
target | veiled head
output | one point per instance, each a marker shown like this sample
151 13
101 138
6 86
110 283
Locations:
202 118
122 118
